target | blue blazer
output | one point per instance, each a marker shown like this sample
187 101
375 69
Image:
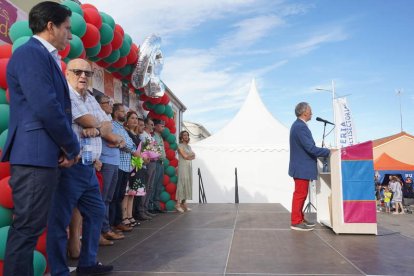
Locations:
40 109
303 152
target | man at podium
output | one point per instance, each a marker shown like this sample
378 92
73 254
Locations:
302 164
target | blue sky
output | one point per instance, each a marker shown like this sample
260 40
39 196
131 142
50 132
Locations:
213 49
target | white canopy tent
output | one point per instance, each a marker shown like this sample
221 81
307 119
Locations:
258 146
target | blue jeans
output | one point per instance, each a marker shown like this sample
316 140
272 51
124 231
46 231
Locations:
110 177
115 209
78 187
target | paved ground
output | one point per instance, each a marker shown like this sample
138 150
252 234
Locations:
255 239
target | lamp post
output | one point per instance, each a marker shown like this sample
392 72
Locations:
333 101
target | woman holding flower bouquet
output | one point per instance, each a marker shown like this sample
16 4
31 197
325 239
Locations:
185 174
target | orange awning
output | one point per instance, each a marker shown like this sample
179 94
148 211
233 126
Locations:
387 163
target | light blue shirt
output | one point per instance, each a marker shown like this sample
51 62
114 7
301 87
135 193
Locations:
110 155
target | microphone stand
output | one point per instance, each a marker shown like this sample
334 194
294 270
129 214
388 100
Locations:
324 160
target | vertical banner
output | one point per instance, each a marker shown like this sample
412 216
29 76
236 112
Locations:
345 128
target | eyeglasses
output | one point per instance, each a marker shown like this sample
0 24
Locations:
78 72
106 102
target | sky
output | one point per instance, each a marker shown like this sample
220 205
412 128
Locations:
214 48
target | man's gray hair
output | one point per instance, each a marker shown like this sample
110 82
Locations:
301 108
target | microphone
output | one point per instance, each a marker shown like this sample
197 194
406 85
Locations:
324 121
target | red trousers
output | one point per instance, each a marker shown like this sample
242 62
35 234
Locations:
299 197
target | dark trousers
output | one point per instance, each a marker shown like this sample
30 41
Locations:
115 209
78 187
154 202
32 191
110 178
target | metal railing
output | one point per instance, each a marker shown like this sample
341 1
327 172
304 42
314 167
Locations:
201 192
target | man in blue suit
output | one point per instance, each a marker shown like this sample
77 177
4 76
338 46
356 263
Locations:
302 165
40 137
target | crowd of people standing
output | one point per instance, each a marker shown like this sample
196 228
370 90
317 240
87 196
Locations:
76 161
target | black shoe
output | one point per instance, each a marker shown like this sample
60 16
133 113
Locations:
301 227
152 211
150 214
161 211
97 269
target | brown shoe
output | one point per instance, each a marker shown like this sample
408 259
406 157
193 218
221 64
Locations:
116 230
113 236
105 242
124 228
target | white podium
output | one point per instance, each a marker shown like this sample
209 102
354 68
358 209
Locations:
337 211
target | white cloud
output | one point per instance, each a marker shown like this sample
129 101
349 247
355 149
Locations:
333 35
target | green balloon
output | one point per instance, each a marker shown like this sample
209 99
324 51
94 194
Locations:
113 57
4 117
166 163
170 171
171 139
159 108
111 69
20 29
66 60
76 47
78 24
165 196
125 48
106 18
107 34
174 179
4 233
39 263
126 70
3 138
170 205
3 98
94 59
74 7
19 42
91 52
162 188
169 111
128 38
6 216
174 146
165 132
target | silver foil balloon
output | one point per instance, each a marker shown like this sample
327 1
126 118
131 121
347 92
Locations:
155 88
149 66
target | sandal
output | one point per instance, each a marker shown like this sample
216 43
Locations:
133 222
126 222
179 209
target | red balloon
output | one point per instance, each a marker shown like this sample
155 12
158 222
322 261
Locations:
63 64
164 118
143 97
103 64
172 196
93 17
171 188
117 75
132 57
119 29
166 145
41 243
121 62
106 50
174 163
8 95
88 6
83 54
64 53
117 41
165 99
166 179
4 169
1 268
5 50
6 199
91 37
162 205
3 66
173 130
170 154
154 100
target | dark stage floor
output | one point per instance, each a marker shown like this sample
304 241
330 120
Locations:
255 239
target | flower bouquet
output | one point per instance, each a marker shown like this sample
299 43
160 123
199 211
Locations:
150 149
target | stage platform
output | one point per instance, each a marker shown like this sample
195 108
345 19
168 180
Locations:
256 239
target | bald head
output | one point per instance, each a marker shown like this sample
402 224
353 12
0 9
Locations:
78 74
